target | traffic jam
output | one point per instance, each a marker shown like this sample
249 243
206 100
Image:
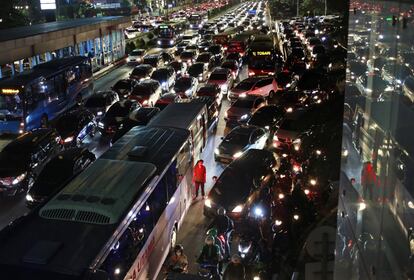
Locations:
275 89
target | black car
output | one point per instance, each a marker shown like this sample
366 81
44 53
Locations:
100 102
216 50
239 186
285 80
268 117
115 116
199 71
23 158
141 116
155 60
207 58
211 90
240 139
124 87
74 126
141 72
180 48
204 45
166 58
59 170
235 56
188 57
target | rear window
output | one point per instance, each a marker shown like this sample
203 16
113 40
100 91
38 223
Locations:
218 76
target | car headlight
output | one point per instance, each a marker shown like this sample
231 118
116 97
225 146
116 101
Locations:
191 26
217 151
245 116
275 138
278 222
237 209
159 42
145 102
312 182
289 110
345 153
224 87
18 179
238 154
207 203
199 26
99 113
101 125
68 139
243 95
29 198
171 42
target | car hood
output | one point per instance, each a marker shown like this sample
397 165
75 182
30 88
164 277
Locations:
237 112
230 149
12 169
230 197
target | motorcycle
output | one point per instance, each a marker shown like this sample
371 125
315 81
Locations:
209 271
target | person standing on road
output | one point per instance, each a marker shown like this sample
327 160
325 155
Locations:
199 178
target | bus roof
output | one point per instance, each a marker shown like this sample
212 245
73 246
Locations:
177 115
41 70
156 145
56 238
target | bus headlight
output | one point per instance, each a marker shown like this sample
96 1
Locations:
237 209
207 203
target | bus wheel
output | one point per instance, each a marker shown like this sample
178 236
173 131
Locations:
44 121
271 93
173 238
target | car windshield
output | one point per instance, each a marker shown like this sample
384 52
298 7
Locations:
196 69
137 53
187 55
218 76
122 85
11 105
151 60
204 58
245 85
160 75
140 71
117 110
142 90
183 83
206 91
238 137
214 49
229 65
95 102
284 77
243 103
265 116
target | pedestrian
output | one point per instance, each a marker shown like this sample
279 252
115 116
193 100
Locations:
199 178
368 180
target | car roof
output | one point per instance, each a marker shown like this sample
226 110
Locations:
220 70
31 139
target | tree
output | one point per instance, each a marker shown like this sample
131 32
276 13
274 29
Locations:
11 17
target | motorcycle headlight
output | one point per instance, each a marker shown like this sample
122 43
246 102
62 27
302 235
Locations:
171 42
159 42
238 154
101 125
312 182
18 179
237 209
258 212
245 116
289 110
68 139
99 113
296 217
29 198
288 85
207 203
278 222
243 249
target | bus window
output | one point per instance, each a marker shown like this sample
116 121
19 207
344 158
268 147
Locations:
158 199
183 161
171 180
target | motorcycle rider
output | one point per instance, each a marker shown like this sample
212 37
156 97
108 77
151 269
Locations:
224 226
210 254
235 270
178 260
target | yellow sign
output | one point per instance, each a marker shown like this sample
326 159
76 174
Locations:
262 53
9 91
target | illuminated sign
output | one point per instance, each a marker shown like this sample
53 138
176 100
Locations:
9 91
262 53
164 26
48 4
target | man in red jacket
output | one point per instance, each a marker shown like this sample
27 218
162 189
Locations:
199 177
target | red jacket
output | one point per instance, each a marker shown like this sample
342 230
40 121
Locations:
199 174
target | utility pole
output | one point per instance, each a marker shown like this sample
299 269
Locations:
297 8
326 7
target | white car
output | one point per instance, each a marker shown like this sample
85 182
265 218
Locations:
136 56
258 86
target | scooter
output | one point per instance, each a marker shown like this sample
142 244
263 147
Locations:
209 271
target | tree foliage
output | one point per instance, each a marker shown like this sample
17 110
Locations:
11 17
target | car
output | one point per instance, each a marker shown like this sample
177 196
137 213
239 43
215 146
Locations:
199 71
140 116
267 117
204 45
179 67
239 185
165 76
100 102
124 87
292 100
258 86
115 116
135 56
155 60
57 172
286 80
212 90
233 66
23 159
192 48
242 109
180 48
235 56
222 77
167 99
185 86
240 139
75 126
141 72
216 50
188 57
147 92
207 58
166 57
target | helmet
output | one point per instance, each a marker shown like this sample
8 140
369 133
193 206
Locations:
212 232
209 239
235 258
178 247
221 211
